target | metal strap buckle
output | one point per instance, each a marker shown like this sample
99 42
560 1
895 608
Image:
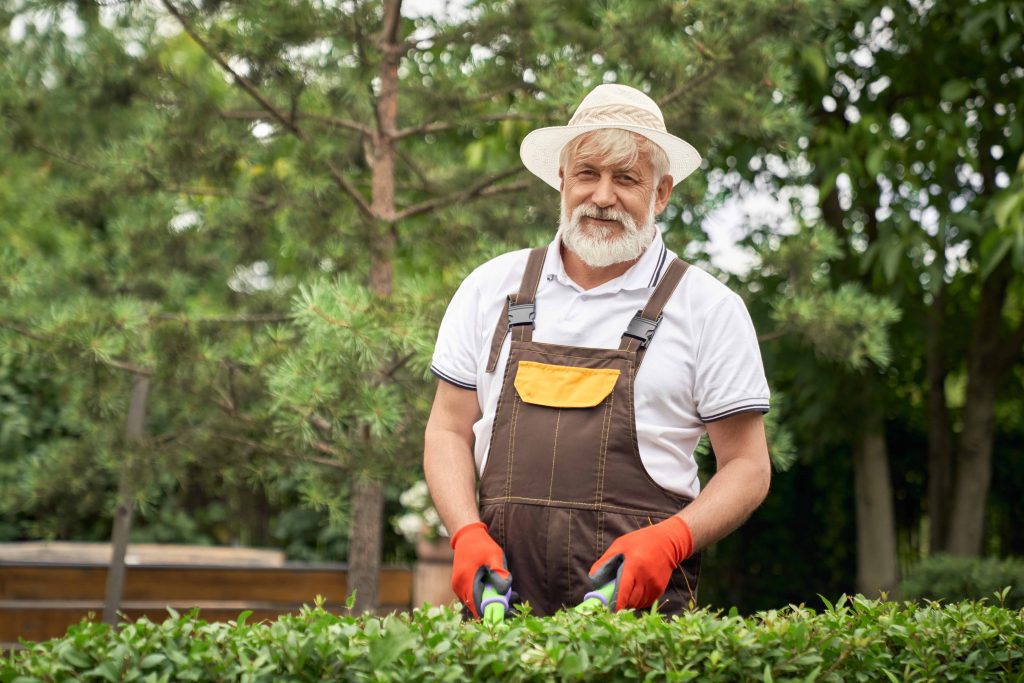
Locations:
641 328
520 314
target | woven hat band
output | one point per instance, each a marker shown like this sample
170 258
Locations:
617 114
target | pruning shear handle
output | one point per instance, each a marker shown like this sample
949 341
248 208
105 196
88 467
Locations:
493 604
601 596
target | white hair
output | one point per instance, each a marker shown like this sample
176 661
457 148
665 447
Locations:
618 147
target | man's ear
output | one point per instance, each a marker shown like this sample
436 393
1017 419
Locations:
561 180
662 192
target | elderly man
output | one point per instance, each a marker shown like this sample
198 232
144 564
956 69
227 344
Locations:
579 377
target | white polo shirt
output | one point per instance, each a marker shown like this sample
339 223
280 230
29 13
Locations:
703 363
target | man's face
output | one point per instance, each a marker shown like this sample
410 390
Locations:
607 211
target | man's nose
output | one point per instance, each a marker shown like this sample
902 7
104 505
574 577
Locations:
604 193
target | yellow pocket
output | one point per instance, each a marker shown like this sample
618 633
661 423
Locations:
561 386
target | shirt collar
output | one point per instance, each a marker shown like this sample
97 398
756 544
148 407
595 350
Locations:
644 274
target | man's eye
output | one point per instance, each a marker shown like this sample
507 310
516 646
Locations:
627 179
587 172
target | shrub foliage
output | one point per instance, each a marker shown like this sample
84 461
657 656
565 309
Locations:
855 639
951 578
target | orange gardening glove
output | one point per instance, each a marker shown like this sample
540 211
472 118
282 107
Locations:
478 560
642 562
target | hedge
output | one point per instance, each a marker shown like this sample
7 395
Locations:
951 578
855 639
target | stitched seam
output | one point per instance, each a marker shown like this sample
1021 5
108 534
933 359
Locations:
501 525
512 443
554 454
764 407
494 431
576 504
511 448
569 355
451 380
568 553
603 455
631 344
571 369
603 452
547 535
634 443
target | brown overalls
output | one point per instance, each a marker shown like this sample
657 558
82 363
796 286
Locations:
563 477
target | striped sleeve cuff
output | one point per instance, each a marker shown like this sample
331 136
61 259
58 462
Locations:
451 380
736 410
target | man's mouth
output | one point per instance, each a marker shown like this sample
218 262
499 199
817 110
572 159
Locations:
604 222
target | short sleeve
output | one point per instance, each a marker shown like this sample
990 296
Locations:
729 377
455 352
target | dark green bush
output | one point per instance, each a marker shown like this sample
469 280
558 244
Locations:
949 578
857 639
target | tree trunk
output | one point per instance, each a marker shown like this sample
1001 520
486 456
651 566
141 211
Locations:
368 495
135 429
876 529
974 454
940 430
365 542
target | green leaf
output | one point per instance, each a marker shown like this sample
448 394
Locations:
955 90
874 161
995 256
1009 44
155 659
1008 209
475 154
892 255
396 640
572 665
74 657
828 184
815 59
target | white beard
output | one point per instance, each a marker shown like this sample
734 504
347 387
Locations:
596 245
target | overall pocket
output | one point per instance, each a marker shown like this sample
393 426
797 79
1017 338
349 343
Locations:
563 386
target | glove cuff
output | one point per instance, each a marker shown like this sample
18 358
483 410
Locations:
682 536
467 530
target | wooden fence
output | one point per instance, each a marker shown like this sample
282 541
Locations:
39 600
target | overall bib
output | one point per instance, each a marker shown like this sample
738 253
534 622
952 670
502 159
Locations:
563 477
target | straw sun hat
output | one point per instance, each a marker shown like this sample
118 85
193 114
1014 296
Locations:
608 106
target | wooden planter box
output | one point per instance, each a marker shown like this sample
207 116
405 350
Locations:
39 600
432 576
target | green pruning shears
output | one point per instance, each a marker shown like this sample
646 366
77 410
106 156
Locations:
493 604
605 595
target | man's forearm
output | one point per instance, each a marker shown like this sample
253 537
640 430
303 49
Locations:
729 498
451 477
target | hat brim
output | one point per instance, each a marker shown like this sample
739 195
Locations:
540 150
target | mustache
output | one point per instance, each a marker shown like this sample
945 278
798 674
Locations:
604 214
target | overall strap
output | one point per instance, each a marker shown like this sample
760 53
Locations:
519 310
640 331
